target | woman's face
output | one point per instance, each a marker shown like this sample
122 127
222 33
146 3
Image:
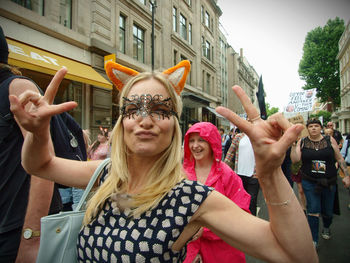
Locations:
314 129
199 147
101 138
148 126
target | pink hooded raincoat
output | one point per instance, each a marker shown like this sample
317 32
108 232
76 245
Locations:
225 181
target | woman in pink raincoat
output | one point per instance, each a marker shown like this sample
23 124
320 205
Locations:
202 162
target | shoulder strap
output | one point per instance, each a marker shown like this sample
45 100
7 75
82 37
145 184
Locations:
328 139
302 142
91 183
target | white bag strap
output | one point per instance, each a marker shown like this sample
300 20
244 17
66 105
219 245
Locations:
92 181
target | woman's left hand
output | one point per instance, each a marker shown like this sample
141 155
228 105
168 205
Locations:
270 139
346 181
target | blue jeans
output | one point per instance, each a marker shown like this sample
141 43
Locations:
320 203
71 195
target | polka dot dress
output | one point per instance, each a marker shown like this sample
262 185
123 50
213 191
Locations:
115 237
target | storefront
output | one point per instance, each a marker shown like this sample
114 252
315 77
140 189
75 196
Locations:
82 83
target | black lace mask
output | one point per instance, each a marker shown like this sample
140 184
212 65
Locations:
146 105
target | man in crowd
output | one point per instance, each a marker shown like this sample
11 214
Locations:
336 134
24 199
224 139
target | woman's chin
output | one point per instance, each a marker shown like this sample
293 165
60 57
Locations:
146 152
198 157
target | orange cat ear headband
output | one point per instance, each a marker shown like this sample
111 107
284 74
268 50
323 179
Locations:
120 75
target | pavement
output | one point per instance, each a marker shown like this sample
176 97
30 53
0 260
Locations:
334 250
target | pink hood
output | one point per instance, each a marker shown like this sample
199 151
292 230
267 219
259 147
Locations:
221 176
210 133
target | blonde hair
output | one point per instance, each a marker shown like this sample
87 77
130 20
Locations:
165 173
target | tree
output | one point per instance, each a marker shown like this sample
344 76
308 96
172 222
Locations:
271 110
319 67
325 114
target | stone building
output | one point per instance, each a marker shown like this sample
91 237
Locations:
244 75
342 115
46 34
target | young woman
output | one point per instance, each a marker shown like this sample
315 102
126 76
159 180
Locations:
202 163
144 208
99 148
319 154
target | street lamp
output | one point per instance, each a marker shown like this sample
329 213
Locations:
153 4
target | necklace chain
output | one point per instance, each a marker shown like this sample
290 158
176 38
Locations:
316 144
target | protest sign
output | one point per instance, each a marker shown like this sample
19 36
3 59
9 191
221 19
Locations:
301 101
299 119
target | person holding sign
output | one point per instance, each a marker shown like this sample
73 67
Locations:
318 154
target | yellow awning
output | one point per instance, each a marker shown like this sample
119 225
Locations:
24 56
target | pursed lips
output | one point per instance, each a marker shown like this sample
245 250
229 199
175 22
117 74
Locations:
145 134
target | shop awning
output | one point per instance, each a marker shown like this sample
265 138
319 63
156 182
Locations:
217 114
25 56
194 100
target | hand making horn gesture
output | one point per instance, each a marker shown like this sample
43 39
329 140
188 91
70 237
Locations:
270 139
36 119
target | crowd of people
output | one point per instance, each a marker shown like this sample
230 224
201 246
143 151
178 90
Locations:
157 202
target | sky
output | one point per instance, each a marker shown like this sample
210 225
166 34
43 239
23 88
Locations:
272 35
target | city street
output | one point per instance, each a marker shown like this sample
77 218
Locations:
335 250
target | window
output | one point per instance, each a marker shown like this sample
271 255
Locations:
74 92
175 57
203 46
122 34
207 50
190 33
66 13
189 77
174 19
183 29
203 76
35 5
189 2
207 86
207 20
202 14
138 44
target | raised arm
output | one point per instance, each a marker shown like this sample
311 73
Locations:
40 192
287 237
341 162
38 156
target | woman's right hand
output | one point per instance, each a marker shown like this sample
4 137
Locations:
37 118
270 139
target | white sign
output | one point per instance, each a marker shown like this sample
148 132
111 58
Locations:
301 101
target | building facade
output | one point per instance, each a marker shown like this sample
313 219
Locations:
243 75
342 115
43 36
78 34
